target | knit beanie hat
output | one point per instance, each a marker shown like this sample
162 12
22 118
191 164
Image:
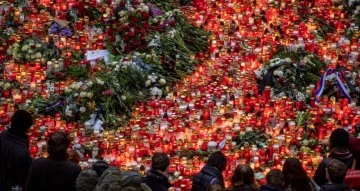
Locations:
339 138
21 121
99 167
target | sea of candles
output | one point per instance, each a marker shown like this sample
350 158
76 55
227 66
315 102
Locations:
217 102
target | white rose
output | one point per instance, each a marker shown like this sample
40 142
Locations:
38 45
76 94
32 56
162 81
78 85
83 94
15 45
145 8
67 90
38 55
123 97
276 72
82 109
90 83
7 86
122 13
99 81
358 7
90 95
24 48
73 86
356 12
176 174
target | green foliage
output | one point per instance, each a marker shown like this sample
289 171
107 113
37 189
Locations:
251 138
77 72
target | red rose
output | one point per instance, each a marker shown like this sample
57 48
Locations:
134 20
127 48
134 43
146 26
144 15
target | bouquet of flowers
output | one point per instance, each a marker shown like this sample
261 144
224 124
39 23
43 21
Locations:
60 27
291 73
31 49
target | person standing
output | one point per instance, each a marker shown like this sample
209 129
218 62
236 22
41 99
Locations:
339 149
295 177
335 173
243 179
210 173
157 177
55 173
15 159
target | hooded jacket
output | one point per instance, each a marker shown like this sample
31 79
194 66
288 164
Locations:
15 159
157 181
208 175
342 154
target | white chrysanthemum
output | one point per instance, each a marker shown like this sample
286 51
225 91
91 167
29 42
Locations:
15 45
76 94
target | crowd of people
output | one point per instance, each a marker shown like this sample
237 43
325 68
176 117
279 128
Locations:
60 170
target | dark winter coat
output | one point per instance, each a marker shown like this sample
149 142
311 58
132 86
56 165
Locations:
157 181
15 160
268 187
52 174
344 155
242 188
208 175
335 187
